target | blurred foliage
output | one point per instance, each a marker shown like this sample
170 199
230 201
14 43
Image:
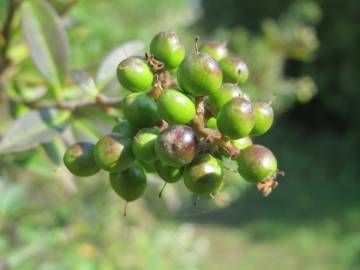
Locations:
295 49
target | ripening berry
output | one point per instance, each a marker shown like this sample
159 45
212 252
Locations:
175 107
227 92
113 153
140 110
129 184
168 173
144 144
264 117
236 119
199 75
176 145
234 70
168 48
204 175
124 128
256 163
216 49
134 74
79 159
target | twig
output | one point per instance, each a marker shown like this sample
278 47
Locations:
67 7
101 101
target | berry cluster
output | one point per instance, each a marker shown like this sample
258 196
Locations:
183 116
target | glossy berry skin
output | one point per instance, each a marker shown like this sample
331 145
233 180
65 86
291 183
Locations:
236 119
79 159
175 107
134 74
256 163
211 123
234 70
204 175
140 110
168 48
124 128
176 145
129 184
148 167
227 92
168 173
216 49
264 117
113 153
144 144
199 75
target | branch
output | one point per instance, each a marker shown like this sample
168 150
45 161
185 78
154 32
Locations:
101 101
198 124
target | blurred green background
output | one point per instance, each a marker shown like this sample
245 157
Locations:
304 51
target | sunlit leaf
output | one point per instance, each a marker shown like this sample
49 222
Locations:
85 83
34 128
107 69
47 41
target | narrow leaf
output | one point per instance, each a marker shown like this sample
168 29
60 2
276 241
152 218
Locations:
107 69
47 41
85 83
34 128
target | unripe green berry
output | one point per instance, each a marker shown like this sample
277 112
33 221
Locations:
199 75
168 173
168 48
129 184
256 163
144 144
79 159
264 117
176 145
148 167
134 74
124 128
234 70
211 123
236 118
175 107
204 175
240 144
113 153
216 49
227 92
140 110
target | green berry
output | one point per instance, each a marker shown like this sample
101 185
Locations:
149 167
264 117
144 144
236 119
211 123
134 74
234 70
199 75
168 48
176 145
175 107
168 173
240 144
113 153
79 159
124 128
227 92
204 175
256 163
140 110
216 49
129 184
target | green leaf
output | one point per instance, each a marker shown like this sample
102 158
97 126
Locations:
88 89
47 42
107 69
32 129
